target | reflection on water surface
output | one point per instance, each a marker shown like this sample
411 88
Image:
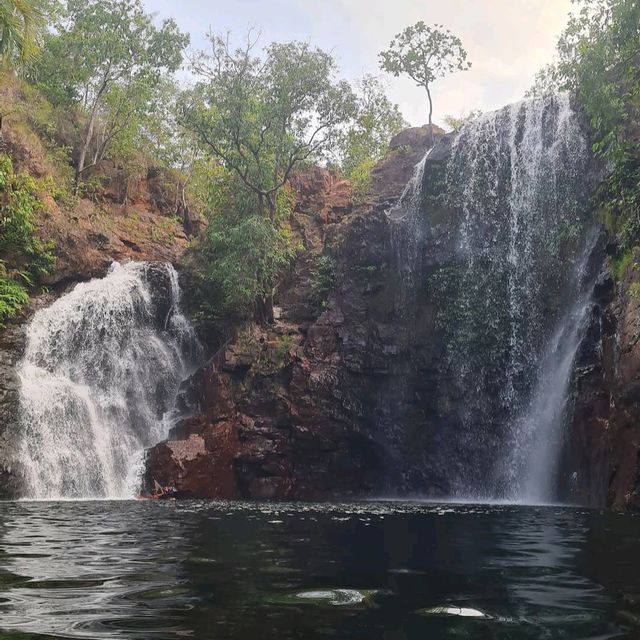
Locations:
378 570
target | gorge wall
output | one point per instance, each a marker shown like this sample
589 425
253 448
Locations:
452 312
456 335
601 462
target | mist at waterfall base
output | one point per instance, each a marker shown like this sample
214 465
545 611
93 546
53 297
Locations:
99 377
517 295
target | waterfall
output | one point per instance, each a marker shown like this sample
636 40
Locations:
99 378
513 190
533 454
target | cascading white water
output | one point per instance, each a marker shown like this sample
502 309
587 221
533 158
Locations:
520 179
511 190
538 433
100 373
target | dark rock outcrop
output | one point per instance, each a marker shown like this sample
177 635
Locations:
305 409
602 456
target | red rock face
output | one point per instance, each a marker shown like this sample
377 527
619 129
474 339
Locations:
603 454
91 236
283 412
200 463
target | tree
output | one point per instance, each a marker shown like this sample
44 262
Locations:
263 116
376 121
108 56
239 258
21 22
424 54
455 123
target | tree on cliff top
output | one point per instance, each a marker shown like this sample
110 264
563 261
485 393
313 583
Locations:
424 54
107 56
263 116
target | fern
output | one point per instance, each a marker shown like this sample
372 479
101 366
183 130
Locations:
13 297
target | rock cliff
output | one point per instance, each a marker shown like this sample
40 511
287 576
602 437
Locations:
307 408
602 458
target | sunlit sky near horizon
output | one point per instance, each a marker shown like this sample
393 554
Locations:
507 40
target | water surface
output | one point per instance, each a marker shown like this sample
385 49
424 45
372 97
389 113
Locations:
378 570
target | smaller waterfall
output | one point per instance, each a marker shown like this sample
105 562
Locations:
100 373
406 234
538 433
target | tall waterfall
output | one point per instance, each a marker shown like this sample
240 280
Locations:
99 377
515 187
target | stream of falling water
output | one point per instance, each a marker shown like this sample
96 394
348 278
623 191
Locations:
99 376
515 186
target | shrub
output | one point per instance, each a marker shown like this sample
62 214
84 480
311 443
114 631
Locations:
361 180
242 253
323 280
25 258
13 297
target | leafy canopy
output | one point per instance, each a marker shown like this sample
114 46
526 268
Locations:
376 121
241 254
107 57
264 115
100 43
424 54
21 23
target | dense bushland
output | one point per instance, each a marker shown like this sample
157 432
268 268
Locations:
107 108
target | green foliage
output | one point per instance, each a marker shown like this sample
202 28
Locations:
13 297
634 290
21 23
599 58
360 177
424 54
107 57
621 263
24 258
283 345
455 123
323 280
263 116
376 121
241 255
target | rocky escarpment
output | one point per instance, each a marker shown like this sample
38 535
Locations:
602 456
307 408
413 369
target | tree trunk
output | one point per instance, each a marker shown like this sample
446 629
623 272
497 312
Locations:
430 116
271 203
85 146
264 310
90 127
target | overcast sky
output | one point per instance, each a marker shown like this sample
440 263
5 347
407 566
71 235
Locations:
507 40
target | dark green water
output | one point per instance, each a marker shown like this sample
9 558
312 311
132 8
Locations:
215 571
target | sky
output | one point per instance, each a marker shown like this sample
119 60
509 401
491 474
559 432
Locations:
506 40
